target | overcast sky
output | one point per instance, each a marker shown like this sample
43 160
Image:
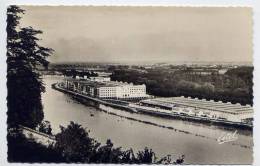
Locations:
143 34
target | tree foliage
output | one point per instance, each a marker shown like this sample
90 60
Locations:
45 127
234 86
75 145
73 73
24 57
22 149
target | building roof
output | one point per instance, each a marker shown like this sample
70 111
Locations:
199 104
101 84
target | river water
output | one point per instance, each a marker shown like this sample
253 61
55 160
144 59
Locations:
198 142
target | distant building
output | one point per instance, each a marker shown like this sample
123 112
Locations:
201 71
99 79
103 74
204 71
148 67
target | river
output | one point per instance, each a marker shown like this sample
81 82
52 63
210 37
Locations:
198 142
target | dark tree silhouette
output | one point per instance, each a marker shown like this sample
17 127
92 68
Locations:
22 149
234 86
45 127
24 57
75 145
146 156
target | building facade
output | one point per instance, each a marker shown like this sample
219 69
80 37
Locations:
107 89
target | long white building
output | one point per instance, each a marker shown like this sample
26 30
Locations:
107 89
201 108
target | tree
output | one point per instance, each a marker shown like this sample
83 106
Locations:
107 154
146 157
74 143
207 89
45 127
23 149
24 83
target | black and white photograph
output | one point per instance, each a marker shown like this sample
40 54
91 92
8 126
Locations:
129 84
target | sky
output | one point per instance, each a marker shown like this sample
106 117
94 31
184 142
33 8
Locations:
143 34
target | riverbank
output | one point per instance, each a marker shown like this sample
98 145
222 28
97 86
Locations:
81 96
132 109
61 108
105 106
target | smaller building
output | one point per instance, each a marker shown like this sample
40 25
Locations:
99 79
103 74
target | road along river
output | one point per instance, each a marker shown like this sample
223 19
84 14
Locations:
198 142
